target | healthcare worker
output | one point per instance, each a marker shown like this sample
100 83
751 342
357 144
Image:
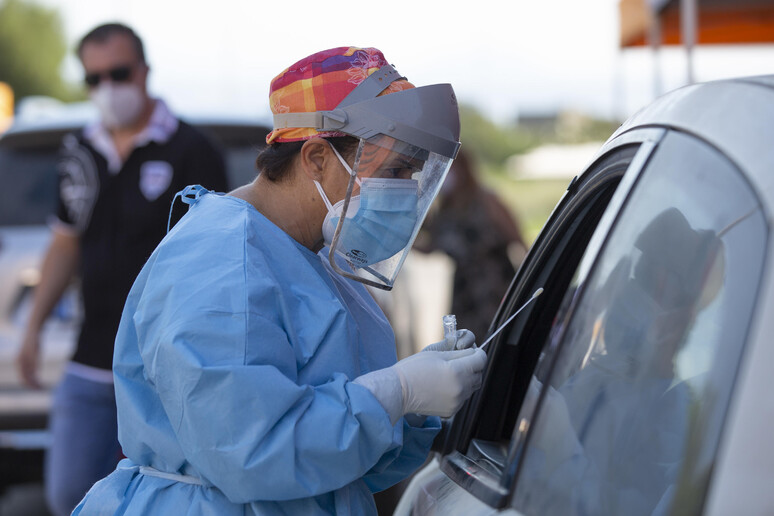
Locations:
254 373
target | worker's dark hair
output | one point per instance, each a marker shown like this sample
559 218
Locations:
275 159
101 34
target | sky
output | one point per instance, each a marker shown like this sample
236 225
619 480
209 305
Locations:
505 57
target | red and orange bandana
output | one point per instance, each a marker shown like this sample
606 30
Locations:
319 83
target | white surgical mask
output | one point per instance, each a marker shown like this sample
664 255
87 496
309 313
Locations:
119 105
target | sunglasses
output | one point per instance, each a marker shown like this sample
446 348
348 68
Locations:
117 74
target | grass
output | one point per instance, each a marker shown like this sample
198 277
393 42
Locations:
531 200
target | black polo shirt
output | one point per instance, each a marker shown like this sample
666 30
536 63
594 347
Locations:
121 216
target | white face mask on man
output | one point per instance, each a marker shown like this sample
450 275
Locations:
119 105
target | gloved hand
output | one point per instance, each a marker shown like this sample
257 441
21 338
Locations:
437 383
465 339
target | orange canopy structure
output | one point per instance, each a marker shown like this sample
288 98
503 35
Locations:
716 22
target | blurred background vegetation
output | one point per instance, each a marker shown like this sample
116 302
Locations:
531 197
33 47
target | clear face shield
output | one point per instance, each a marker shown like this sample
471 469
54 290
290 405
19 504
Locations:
391 187
408 140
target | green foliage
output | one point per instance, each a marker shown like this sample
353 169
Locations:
32 47
493 144
490 143
530 200
573 127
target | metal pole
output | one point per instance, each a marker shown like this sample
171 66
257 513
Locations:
654 39
688 25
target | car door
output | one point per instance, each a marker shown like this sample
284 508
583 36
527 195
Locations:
607 395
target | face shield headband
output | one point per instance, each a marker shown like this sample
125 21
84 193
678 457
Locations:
427 116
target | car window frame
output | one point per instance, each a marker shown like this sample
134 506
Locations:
493 489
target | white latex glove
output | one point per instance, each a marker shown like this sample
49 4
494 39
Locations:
465 339
437 383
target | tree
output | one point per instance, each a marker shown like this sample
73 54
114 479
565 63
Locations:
491 143
32 47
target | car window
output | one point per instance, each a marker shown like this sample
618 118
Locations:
478 440
240 164
240 145
29 178
631 401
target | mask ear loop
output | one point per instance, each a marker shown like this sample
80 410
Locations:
347 197
345 164
189 195
324 197
349 171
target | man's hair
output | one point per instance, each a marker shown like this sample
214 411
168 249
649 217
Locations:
103 32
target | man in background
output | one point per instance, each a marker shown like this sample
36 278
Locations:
117 181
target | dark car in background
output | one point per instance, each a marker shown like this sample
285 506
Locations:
640 381
28 175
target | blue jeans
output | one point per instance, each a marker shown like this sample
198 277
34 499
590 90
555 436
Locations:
84 441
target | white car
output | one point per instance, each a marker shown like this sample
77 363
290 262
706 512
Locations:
640 381
28 173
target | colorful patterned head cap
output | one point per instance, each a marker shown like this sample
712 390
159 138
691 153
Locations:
319 83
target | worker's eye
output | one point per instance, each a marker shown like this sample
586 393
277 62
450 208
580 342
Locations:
401 169
398 173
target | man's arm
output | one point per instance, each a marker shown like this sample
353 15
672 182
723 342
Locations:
59 266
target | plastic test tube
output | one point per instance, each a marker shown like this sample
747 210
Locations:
450 330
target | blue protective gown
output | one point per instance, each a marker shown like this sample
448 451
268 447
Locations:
233 366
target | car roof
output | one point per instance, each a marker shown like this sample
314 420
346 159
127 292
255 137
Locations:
59 117
47 133
733 115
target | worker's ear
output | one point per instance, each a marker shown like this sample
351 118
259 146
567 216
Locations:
316 158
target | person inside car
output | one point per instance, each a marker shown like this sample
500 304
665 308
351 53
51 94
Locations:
617 426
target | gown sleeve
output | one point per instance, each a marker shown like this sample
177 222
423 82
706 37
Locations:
410 449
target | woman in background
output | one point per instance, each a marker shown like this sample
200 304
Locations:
482 237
